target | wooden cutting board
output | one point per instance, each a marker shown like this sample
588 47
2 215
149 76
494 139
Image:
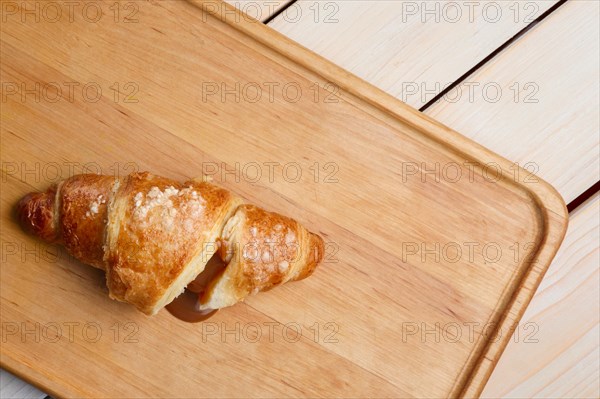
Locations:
435 244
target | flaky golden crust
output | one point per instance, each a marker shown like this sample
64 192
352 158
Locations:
157 227
154 235
263 250
36 214
83 201
72 213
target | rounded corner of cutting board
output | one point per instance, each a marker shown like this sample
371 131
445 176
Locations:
554 210
555 218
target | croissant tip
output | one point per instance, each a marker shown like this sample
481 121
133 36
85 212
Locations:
22 211
318 247
35 212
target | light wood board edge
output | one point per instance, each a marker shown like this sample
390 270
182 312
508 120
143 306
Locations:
551 206
32 377
554 229
12 386
566 330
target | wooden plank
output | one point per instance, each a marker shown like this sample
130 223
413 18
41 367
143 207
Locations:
557 350
260 10
410 49
546 116
374 206
12 387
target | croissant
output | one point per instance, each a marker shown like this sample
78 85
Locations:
154 236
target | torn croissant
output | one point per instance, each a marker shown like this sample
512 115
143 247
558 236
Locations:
153 236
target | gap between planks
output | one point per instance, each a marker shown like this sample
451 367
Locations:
278 12
587 194
493 54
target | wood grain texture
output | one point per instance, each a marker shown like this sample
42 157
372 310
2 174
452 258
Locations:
559 335
558 138
174 126
12 387
261 10
410 49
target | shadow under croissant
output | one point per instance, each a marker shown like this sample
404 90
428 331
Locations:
185 306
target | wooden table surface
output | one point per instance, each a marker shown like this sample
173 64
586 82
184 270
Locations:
519 77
